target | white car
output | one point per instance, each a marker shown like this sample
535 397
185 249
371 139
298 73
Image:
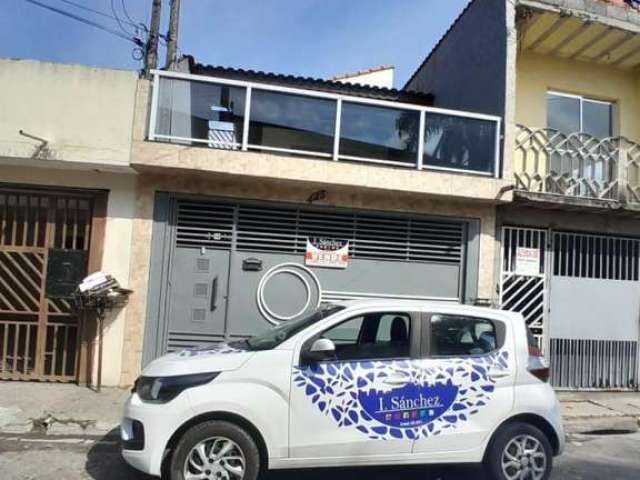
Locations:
371 382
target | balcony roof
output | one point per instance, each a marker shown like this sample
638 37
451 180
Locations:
309 83
605 32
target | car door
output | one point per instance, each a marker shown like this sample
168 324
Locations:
470 368
341 408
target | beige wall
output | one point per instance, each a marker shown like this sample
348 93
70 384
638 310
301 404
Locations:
117 242
85 113
230 186
538 73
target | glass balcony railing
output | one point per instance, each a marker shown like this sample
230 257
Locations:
237 115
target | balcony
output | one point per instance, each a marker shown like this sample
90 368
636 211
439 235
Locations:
577 167
233 115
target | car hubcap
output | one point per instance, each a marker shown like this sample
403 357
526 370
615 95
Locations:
524 458
216 458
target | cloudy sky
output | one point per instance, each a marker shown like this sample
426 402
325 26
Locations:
318 38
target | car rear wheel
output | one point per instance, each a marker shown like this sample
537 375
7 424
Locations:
215 450
519 451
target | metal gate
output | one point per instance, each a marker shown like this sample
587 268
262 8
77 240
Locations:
525 292
38 335
594 311
233 269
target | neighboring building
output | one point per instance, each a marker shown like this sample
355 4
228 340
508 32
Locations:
66 207
243 174
563 74
373 77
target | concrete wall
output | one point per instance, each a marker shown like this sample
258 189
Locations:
467 70
85 113
117 242
536 74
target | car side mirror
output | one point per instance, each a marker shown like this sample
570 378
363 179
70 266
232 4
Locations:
321 349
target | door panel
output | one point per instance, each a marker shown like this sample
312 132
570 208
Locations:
336 405
480 389
197 298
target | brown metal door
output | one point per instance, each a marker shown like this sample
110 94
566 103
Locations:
39 337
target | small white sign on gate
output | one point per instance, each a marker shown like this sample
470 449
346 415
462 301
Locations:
327 252
527 261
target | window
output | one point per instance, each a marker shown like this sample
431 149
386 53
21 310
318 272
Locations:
292 122
459 143
572 113
455 335
379 133
372 336
208 113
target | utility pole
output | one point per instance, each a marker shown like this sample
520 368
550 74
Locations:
151 50
172 35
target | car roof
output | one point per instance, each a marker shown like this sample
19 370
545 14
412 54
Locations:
423 305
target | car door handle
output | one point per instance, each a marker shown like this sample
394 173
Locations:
396 380
499 373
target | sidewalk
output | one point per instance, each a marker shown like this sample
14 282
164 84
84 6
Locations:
59 409
600 411
62 409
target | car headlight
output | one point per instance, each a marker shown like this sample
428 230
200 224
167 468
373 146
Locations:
165 389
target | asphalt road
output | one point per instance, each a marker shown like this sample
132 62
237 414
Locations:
611 457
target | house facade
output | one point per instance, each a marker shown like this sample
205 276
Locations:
67 197
569 96
504 173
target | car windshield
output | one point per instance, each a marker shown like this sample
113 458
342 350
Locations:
275 336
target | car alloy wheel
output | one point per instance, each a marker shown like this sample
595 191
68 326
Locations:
524 458
215 458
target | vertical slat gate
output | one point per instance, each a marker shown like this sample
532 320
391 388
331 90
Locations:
525 293
38 335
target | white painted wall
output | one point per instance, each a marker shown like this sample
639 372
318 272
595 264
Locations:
85 113
382 78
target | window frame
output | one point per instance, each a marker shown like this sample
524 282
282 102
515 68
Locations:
581 98
499 326
415 335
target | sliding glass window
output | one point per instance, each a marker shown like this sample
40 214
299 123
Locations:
379 133
197 113
459 143
291 122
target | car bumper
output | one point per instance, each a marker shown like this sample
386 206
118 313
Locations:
146 429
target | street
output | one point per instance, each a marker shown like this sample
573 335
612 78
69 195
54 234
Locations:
31 458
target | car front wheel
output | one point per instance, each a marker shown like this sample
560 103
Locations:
519 451
215 450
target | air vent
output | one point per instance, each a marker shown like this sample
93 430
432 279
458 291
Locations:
204 224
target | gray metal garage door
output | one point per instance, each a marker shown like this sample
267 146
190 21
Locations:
231 270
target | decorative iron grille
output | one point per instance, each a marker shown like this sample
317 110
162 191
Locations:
577 165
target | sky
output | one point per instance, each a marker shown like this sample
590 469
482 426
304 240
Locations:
317 38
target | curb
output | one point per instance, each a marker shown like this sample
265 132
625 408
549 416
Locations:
613 423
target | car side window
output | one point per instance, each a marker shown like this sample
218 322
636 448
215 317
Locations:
456 335
374 336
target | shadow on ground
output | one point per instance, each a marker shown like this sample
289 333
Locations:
104 462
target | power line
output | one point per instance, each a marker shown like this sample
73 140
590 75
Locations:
126 13
93 10
86 21
115 15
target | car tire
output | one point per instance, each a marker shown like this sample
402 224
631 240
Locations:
504 460
216 436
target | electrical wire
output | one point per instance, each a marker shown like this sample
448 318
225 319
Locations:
115 15
86 21
93 10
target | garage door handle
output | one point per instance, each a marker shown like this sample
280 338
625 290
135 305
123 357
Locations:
214 294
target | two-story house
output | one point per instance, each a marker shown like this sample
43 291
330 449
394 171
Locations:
262 195
563 75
